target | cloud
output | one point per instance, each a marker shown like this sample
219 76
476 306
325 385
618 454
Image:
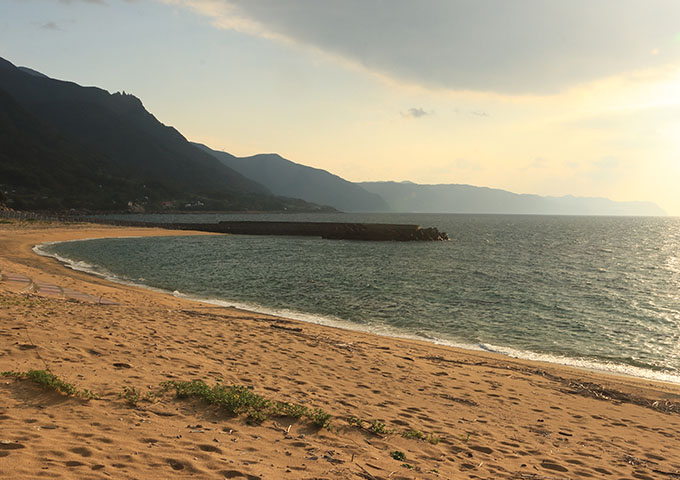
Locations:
640 118
607 163
415 113
50 26
608 169
94 2
538 163
517 47
464 164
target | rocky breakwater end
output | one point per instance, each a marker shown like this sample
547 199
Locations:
334 231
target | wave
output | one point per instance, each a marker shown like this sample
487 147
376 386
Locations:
85 267
586 364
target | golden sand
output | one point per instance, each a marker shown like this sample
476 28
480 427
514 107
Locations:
486 416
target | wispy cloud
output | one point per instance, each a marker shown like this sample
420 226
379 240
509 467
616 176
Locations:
538 163
50 26
94 2
415 113
464 164
607 163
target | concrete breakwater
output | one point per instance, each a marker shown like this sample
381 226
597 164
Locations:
335 231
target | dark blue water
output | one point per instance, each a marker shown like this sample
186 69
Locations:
596 292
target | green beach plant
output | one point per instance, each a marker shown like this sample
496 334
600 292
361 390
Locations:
320 418
241 400
356 422
418 435
50 381
398 455
413 434
293 410
131 395
379 428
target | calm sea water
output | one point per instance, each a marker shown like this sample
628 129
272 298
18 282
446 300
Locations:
594 292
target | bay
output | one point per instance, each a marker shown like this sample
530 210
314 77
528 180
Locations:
594 292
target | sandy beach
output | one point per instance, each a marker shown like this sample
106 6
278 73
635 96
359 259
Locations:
400 409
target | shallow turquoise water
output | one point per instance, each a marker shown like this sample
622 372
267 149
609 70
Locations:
590 291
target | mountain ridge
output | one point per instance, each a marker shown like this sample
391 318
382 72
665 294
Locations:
287 178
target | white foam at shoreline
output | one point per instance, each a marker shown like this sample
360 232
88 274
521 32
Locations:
88 268
382 330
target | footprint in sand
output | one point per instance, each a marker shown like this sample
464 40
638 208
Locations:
654 457
553 466
176 465
9 445
481 449
82 451
237 474
210 448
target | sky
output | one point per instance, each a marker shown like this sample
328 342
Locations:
578 97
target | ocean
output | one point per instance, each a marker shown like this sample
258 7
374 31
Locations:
596 292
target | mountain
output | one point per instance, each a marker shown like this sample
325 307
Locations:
113 136
46 171
411 197
30 71
283 177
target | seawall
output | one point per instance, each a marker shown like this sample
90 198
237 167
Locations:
329 230
334 231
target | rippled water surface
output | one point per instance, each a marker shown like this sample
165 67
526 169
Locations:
590 291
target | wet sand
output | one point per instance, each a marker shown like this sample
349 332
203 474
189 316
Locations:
486 416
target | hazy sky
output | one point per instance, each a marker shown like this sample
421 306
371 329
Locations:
552 97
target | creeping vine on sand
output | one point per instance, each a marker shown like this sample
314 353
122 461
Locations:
50 381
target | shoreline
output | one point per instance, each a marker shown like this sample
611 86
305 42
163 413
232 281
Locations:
494 416
587 365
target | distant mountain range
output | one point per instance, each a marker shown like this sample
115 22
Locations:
66 146
411 197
